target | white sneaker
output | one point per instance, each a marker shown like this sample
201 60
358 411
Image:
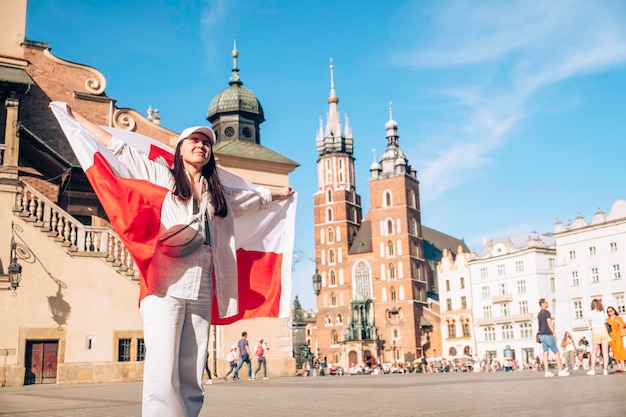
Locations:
563 373
265 378
592 372
605 372
549 374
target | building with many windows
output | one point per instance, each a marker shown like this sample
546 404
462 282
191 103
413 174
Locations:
590 262
509 276
378 300
455 291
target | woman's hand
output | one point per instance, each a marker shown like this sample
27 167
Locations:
283 193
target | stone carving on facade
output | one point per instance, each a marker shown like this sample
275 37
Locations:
123 119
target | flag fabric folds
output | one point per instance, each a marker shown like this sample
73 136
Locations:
264 239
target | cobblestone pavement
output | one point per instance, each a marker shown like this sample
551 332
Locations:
455 394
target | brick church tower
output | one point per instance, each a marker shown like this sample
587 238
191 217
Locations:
337 221
374 281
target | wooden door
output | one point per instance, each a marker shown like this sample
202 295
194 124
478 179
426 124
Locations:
41 362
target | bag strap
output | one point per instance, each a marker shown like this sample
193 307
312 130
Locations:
180 230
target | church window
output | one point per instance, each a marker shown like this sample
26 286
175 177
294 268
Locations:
362 279
389 227
329 215
392 294
392 272
333 300
387 199
330 235
335 337
339 319
333 279
329 196
412 199
390 249
331 256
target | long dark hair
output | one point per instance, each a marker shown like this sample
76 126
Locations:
182 186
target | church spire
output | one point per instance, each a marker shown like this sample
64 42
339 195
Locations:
234 78
333 125
331 139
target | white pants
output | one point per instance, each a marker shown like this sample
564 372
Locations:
176 334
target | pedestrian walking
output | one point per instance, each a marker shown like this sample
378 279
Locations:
244 355
232 358
259 352
208 371
548 338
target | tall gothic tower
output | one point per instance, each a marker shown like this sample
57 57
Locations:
400 281
337 219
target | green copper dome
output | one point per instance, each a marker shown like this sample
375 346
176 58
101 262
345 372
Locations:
235 99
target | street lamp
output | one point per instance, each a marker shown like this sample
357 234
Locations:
15 269
317 282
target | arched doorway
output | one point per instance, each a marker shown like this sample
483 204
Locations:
353 359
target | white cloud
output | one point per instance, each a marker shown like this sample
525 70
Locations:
517 48
214 14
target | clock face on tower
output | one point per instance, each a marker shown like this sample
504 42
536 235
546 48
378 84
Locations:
229 131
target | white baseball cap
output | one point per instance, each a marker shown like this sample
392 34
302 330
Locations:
205 130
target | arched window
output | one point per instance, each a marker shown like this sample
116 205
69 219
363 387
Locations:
395 333
362 279
334 337
333 300
451 328
327 319
392 294
412 199
387 199
390 249
329 215
389 227
333 279
329 196
414 227
331 256
392 272
339 319
465 327
452 351
331 237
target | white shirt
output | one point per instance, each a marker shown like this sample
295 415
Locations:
181 277
597 318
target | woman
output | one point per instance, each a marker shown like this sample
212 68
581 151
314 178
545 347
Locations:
599 336
616 343
569 351
177 308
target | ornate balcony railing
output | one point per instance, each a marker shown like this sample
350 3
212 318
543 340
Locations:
78 239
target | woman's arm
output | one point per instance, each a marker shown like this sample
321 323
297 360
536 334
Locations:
138 165
102 135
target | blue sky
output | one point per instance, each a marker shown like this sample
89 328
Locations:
513 113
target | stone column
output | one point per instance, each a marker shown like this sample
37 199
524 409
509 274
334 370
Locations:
11 139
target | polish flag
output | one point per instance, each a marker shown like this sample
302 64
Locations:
264 239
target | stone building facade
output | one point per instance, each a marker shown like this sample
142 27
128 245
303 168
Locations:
74 316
